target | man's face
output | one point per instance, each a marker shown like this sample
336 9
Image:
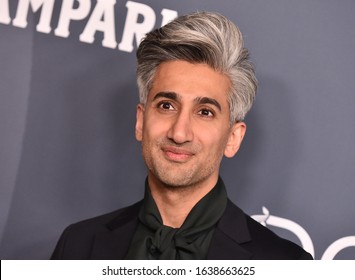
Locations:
184 126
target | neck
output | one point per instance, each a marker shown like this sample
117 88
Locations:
175 203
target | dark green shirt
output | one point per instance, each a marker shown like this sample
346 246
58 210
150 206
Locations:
155 241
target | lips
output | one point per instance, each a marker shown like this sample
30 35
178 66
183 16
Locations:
177 154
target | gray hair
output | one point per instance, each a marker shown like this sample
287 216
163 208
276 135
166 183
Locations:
201 37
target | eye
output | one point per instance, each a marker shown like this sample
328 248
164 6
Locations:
165 105
206 112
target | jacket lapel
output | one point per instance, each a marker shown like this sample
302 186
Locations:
231 232
114 243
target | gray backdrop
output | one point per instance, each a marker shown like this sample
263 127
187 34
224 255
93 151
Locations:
67 115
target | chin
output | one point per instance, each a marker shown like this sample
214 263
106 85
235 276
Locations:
181 182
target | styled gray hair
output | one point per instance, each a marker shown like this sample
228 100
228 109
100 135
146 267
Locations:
201 37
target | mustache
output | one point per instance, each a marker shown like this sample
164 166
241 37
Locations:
189 147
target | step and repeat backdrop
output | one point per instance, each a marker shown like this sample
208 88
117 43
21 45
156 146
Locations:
67 113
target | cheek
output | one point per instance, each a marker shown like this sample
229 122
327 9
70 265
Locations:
153 129
221 141
214 142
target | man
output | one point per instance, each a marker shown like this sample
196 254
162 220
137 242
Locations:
196 85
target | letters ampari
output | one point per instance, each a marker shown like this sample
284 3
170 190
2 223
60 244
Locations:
99 16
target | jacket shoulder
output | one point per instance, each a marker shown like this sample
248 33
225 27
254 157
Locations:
269 245
258 240
77 239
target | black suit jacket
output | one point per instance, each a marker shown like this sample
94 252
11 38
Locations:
236 237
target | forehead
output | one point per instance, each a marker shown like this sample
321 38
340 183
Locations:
190 81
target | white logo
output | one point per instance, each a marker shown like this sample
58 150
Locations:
306 241
101 17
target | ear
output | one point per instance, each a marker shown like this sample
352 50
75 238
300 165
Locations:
235 139
139 122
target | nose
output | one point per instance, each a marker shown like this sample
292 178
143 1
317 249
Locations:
180 130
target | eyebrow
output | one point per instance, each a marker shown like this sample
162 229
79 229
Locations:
198 100
208 100
166 94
